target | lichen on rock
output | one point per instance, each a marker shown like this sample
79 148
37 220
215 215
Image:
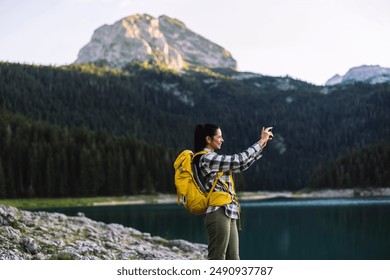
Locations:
26 235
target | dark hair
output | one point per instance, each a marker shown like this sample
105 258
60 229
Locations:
200 134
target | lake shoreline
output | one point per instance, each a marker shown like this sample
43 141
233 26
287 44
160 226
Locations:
260 195
325 193
159 198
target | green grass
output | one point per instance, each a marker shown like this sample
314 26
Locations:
34 203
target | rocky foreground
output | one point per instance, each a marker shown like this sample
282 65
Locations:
28 235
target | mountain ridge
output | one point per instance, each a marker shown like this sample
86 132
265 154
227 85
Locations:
372 74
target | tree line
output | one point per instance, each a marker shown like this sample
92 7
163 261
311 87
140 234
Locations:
42 160
364 168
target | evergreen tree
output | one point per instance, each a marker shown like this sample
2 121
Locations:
3 190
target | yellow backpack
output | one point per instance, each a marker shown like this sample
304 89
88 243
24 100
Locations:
190 191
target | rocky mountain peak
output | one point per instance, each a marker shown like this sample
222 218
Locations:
373 74
162 40
336 79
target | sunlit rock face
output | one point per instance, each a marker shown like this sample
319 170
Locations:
162 40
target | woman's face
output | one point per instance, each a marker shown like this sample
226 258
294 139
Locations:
215 143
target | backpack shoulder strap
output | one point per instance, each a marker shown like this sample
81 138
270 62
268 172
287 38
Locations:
200 153
214 183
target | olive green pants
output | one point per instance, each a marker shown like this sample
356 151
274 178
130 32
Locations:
222 236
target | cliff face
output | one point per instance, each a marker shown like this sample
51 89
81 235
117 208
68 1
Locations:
162 40
28 235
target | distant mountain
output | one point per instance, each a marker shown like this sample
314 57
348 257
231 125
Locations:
163 41
372 74
336 79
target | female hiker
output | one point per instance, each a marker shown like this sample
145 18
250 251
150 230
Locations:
221 221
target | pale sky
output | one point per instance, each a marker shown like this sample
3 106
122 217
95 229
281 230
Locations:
310 40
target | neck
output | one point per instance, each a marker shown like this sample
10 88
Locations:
209 148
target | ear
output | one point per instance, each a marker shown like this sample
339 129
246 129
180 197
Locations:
208 139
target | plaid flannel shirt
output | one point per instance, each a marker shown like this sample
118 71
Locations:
212 163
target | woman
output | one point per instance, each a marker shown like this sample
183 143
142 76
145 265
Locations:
221 221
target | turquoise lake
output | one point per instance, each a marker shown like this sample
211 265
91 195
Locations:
276 229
